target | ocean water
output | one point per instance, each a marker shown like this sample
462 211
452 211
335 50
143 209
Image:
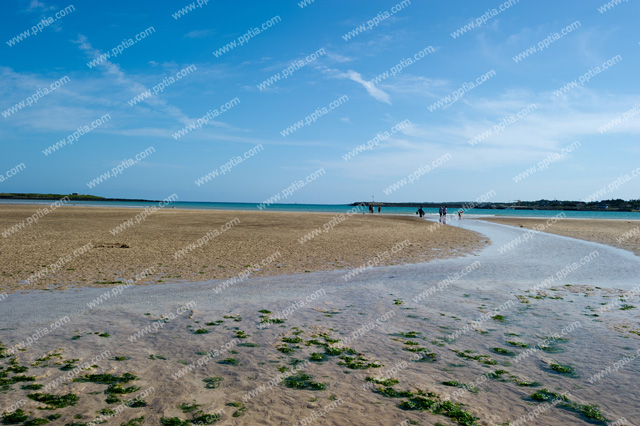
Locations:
344 208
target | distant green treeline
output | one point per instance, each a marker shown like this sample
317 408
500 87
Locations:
604 205
74 197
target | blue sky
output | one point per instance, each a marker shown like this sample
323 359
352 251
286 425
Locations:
89 29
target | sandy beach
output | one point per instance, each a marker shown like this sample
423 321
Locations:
624 234
473 340
84 246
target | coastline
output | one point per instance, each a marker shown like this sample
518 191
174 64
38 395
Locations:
337 208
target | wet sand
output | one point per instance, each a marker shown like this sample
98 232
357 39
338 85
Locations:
624 234
196 245
172 362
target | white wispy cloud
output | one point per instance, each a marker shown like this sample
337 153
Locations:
340 58
377 93
134 88
198 33
554 125
38 6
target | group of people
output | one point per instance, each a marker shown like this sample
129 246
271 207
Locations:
421 213
443 213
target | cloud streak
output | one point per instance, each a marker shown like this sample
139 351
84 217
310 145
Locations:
377 93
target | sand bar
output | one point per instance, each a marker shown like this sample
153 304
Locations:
196 245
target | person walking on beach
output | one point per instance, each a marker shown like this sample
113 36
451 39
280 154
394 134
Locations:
379 209
459 214
440 212
370 208
444 214
420 212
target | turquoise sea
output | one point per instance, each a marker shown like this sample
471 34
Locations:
343 208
